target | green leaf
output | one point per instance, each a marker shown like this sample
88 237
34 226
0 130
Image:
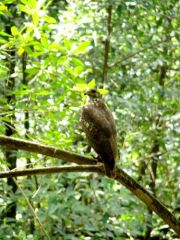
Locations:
4 34
92 84
103 91
3 9
77 62
57 47
35 18
80 87
20 51
24 1
49 19
25 9
44 41
2 41
78 70
14 31
8 1
32 3
42 92
62 59
83 46
67 44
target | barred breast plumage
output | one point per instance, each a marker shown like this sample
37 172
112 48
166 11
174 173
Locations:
99 126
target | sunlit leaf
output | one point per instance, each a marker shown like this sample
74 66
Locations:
20 51
35 18
24 1
32 3
67 44
62 59
78 62
80 87
78 70
92 84
83 46
57 47
4 34
14 31
3 9
103 91
49 19
25 9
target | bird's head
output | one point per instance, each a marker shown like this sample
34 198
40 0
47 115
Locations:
93 93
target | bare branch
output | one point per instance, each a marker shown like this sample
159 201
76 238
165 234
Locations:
14 143
50 170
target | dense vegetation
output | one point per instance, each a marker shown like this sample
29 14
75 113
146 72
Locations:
50 52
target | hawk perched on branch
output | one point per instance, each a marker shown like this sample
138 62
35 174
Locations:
98 124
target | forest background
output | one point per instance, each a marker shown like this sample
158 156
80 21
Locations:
50 52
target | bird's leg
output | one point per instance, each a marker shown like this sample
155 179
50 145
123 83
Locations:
99 158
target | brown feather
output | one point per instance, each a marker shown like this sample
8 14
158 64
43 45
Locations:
99 126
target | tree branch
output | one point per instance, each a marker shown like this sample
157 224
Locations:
49 170
14 143
120 175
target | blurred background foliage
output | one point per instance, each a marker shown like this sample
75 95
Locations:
130 48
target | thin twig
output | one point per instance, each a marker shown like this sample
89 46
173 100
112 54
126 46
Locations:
32 209
49 170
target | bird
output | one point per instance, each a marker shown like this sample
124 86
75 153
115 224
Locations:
98 124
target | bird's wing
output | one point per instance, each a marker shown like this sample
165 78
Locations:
109 116
95 116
